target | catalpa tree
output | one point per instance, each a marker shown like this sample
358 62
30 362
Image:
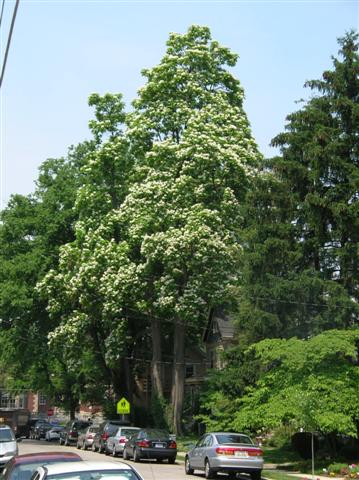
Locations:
195 159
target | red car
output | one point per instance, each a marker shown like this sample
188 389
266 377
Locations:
23 466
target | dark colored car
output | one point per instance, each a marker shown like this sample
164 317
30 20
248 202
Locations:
71 431
23 466
107 429
39 430
151 443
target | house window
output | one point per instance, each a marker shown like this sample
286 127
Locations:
189 371
42 399
7 401
22 400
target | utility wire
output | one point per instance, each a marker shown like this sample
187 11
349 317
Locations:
2 11
9 40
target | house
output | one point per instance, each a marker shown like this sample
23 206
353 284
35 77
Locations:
217 337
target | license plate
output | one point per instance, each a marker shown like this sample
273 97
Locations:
159 445
241 454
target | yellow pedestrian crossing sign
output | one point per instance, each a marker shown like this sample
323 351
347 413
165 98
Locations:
123 406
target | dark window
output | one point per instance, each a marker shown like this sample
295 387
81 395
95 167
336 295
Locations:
189 371
233 438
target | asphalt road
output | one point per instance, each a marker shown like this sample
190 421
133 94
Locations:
149 469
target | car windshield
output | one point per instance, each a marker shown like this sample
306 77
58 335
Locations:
96 475
233 438
6 435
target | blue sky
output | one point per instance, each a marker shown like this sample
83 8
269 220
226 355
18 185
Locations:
64 50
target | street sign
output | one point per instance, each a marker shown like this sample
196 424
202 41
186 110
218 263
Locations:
123 406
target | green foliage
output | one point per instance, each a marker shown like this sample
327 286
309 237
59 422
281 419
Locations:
309 384
300 268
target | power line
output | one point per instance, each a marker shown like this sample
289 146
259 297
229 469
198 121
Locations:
2 11
9 40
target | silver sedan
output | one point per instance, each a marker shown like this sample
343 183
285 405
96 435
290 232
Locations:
230 453
116 443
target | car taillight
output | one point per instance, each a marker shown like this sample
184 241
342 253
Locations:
251 452
255 452
90 436
143 443
225 451
122 440
72 434
172 444
104 436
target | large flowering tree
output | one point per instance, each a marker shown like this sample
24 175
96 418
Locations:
195 160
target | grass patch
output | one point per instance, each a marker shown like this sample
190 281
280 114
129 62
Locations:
280 455
276 475
185 443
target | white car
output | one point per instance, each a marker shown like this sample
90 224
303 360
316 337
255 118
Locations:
86 471
53 433
8 444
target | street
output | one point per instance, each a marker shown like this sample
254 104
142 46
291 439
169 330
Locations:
149 469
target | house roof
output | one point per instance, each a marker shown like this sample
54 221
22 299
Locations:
220 321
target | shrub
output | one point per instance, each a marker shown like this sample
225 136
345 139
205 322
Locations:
338 468
302 443
349 452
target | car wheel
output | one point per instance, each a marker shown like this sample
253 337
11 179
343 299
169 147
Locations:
171 460
78 446
187 467
256 475
208 471
136 456
124 454
114 453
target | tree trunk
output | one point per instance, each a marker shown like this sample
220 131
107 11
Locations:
156 370
178 376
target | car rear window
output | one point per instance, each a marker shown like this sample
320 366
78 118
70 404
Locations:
127 432
96 475
24 472
233 438
156 434
6 435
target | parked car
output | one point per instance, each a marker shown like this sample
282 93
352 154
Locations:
106 430
86 471
86 436
151 443
53 433
231 453
116 442
23 466
39 430
8 444
71 431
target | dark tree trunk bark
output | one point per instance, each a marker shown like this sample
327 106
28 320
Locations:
178 376
156 370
